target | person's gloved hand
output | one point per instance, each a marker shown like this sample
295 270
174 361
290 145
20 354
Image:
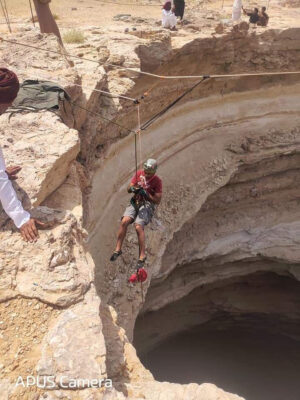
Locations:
134 189
143 192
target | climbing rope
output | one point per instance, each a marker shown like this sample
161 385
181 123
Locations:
30 5
142 291
163 111
104 118
139 133
8 19
239 75
141 163
109 94
135 155
140 127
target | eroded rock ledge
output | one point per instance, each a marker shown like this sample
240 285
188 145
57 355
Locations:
229 158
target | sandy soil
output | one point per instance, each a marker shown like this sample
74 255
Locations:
79 13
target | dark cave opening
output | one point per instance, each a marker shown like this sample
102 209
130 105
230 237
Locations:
252 350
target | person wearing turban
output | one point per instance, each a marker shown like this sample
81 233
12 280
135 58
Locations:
168 17
9 87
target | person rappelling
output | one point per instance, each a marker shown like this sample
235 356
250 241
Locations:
146 187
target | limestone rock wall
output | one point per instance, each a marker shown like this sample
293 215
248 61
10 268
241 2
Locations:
214 148
74 174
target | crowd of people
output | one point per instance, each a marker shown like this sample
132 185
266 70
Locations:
173 9
256 17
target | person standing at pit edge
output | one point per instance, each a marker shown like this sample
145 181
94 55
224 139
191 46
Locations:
168 17
179 8
147 189
9 87
263 17
237 10
254 16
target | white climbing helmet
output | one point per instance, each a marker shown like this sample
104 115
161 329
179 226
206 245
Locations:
150 166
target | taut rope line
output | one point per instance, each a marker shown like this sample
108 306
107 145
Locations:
239 75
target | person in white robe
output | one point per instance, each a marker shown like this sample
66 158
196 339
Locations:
237 10
169 19
9 87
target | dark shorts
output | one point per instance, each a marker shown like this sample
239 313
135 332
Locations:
144 215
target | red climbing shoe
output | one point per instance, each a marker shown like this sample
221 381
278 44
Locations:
140 276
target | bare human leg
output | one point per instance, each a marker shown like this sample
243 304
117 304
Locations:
141 238
120 237
122 232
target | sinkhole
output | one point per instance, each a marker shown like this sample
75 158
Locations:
241 334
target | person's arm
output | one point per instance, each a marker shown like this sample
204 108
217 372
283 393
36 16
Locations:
156 198
13 207
133 184
133 188
10 203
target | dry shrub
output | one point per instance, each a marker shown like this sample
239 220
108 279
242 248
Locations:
73 36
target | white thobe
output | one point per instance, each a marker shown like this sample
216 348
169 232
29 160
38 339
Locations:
168 19
237 10
10 203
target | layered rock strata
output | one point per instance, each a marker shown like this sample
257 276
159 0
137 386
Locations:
229 159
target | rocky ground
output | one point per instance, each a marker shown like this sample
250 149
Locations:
230 146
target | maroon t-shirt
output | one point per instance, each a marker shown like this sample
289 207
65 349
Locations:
152 185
